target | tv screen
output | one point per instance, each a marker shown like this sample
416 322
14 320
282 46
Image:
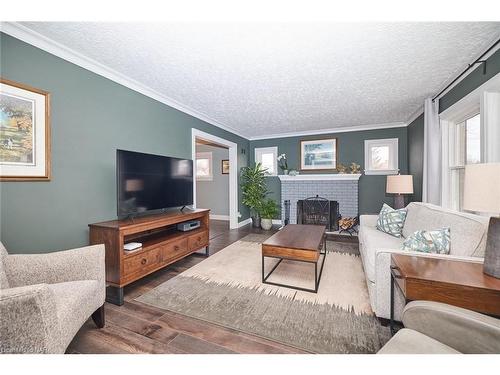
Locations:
147 182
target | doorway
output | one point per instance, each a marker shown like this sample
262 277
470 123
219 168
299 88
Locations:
215 176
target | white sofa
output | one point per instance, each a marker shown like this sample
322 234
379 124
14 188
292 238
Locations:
468 240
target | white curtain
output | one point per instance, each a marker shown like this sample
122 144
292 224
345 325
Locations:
490 129
431 189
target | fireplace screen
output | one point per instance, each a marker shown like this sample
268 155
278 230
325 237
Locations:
318 211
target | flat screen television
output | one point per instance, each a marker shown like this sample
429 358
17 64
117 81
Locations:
148 183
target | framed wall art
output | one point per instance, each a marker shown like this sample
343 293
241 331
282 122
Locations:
24 132
318 154
225 166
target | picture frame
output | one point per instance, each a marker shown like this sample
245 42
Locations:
318 154
225 166
24 132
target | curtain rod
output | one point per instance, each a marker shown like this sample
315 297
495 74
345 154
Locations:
477 61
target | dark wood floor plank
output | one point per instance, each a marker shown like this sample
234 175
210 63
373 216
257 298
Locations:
141 326
89 341
138 309
195 345
133 342
233 340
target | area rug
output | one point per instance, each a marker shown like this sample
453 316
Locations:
226 289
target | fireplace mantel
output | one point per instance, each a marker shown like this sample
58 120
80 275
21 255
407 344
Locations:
320 177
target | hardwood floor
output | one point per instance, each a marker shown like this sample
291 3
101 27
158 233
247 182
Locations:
139 328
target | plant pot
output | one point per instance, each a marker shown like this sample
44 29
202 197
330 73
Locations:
266 224
256 221
285 171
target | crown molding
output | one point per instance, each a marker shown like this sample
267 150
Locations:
40 41
346 129
415 115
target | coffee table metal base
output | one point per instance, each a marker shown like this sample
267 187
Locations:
317 277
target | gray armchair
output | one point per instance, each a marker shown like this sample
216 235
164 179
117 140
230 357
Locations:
438 328
46 298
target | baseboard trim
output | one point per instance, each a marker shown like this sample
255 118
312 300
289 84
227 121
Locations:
219 217
244 222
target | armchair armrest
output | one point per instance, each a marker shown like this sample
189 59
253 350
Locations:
29 323
463 330
85 263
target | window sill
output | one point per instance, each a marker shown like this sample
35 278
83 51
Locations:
382 172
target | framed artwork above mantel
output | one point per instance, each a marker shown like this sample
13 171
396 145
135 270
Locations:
318 154
24 132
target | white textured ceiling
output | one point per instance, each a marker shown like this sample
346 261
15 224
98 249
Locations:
262 79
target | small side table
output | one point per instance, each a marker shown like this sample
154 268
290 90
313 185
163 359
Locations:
455 282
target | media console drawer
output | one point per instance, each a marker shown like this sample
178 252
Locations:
142 262
174 249
197 241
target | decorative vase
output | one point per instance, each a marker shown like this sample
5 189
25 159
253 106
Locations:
285 171
266 224
256 221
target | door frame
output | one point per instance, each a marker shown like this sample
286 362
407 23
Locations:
233 171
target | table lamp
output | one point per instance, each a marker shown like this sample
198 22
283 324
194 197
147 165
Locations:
399 184
482 194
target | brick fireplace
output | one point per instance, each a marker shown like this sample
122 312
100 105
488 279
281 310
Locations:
342 188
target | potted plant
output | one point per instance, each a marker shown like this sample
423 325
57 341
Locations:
283 164
268 211
254 189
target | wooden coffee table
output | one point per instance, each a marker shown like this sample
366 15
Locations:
301 243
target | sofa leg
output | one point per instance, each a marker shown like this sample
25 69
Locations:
98 317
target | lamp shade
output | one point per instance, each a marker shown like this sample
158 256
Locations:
400 184
482 188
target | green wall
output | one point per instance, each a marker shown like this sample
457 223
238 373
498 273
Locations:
416 156
350 149
91 117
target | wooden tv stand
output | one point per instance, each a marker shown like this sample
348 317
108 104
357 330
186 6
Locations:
162 244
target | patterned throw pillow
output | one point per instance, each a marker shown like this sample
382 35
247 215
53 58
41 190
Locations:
433 241
391 221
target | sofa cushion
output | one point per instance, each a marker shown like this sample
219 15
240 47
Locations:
391 221
4 282
374 241
432 241
75 302
408 341
467 231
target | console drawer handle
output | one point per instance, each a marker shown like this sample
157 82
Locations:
143 261
199 238
396 272
176 248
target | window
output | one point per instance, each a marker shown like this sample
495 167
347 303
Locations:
465 145
204 166
381 156
268 157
